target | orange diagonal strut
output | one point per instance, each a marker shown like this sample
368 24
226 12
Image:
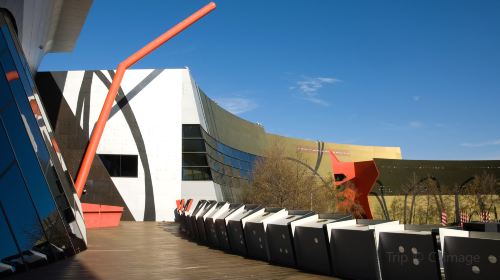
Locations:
84 170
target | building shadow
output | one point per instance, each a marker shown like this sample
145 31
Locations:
70 268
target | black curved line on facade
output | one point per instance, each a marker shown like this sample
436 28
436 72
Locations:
432 178
381 200
418 187
83 102
308 167
459 190
419 182
464 184
439 203
140 86
121 100
386 215
319 158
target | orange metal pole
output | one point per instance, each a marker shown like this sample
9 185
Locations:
88 158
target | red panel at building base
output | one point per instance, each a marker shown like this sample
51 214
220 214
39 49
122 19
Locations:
101 216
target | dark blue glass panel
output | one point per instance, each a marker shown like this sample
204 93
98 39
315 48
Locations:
252 159
243 165
8 247
29 148
27 161
56 172
240 155
230 152
245 157
226 150
23 139
228 166
236 163
227 160
20 91
16 200
244 174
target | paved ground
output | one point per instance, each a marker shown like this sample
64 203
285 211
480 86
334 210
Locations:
149 250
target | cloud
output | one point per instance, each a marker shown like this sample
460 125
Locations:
312 85
481 144
416 124
402 126
317 101
237 105
309 87
416 98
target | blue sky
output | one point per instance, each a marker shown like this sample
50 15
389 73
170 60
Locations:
422 75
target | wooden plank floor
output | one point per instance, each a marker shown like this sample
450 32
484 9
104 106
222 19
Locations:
149 250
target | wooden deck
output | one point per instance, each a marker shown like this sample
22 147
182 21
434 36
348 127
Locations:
149 250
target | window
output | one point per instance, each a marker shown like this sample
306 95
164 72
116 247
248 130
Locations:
194 159
128 166
193 145
196 174
203 157
339 177
191 131
120 165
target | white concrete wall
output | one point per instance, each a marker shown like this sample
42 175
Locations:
190 107
192 113
157 109
197 190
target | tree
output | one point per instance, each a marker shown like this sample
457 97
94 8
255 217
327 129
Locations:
481 193
432 188
278 181
347 200
486 191
397 208
408 189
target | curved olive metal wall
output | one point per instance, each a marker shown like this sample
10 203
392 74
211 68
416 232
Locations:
252 138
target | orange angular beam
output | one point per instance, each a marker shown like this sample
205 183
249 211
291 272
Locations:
88 158
339 167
